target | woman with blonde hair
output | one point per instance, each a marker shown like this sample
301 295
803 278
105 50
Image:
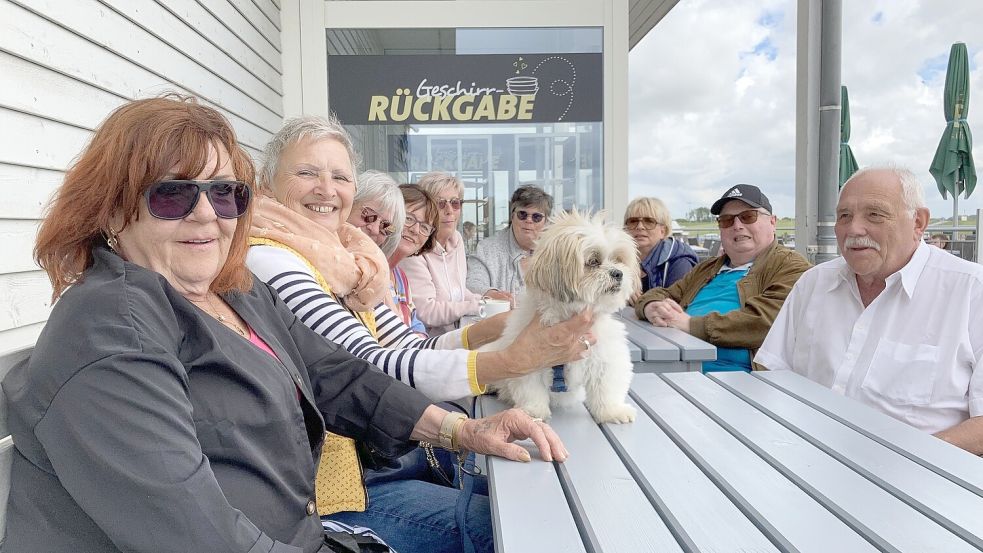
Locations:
664 259
438 276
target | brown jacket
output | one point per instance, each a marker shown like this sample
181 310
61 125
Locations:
762 293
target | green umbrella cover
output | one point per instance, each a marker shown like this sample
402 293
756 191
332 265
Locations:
848 163
953 166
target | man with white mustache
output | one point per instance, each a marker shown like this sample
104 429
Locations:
894 323
731 301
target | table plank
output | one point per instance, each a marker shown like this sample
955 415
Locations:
690 347
529 509
653 348
701 516
612 503
938 498
876 514
635 352
950 461
790 518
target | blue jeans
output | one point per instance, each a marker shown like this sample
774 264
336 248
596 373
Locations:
413 516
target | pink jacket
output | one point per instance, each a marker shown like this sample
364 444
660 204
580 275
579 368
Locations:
437 279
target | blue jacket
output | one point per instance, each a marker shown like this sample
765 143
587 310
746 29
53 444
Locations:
667 263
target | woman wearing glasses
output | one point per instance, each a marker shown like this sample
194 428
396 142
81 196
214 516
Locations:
438 276
378 210
422 217
172 402
499 262
664 259
302 248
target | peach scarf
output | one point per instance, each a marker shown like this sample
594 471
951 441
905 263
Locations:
351 263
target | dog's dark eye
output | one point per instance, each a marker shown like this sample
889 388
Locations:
593 262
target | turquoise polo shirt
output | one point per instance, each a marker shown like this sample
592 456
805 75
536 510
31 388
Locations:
720 295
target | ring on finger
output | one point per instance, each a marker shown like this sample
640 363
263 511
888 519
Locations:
585 342
537 419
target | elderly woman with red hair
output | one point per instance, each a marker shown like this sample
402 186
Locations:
173 402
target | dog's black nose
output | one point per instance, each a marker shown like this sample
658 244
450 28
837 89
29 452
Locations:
616 274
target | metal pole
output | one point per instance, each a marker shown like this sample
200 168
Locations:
829 127
955 204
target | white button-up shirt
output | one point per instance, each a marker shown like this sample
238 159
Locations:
913 353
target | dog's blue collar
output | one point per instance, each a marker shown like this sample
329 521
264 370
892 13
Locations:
559 383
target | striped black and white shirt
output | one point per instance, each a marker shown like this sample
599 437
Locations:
439 367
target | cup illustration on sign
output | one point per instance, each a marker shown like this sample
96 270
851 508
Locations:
488 307
522 86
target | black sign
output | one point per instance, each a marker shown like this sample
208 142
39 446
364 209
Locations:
495 88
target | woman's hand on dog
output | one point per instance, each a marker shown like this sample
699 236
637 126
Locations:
487 330
539 346
494 436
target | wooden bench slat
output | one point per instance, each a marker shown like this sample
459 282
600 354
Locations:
781 510
620 516
635 352
690 502
870 510
529 508
952 462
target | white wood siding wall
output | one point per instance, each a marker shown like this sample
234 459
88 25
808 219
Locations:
65 64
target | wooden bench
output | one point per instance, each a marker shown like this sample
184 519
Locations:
7 361
739 462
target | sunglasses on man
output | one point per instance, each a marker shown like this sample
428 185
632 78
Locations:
176 199
748 217
370 216
536 217
455 203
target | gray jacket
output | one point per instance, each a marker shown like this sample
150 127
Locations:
142 424
495 264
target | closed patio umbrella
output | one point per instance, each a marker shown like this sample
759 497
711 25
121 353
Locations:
953 166
848 163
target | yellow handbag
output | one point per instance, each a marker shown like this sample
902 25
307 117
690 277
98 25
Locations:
338 485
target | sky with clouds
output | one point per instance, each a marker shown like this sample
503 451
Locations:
712 95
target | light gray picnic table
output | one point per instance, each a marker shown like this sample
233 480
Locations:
665 349
766 461
655 349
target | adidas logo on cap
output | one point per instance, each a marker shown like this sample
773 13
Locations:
734 192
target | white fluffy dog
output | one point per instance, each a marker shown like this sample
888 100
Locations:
579 261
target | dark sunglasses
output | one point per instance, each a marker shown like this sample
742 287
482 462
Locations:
412 221
647 223
175 199
536 217
455 203
370 216
748 217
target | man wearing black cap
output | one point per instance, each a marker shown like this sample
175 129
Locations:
731 301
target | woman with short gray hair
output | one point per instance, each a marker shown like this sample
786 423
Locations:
327 272
498 265
378 210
